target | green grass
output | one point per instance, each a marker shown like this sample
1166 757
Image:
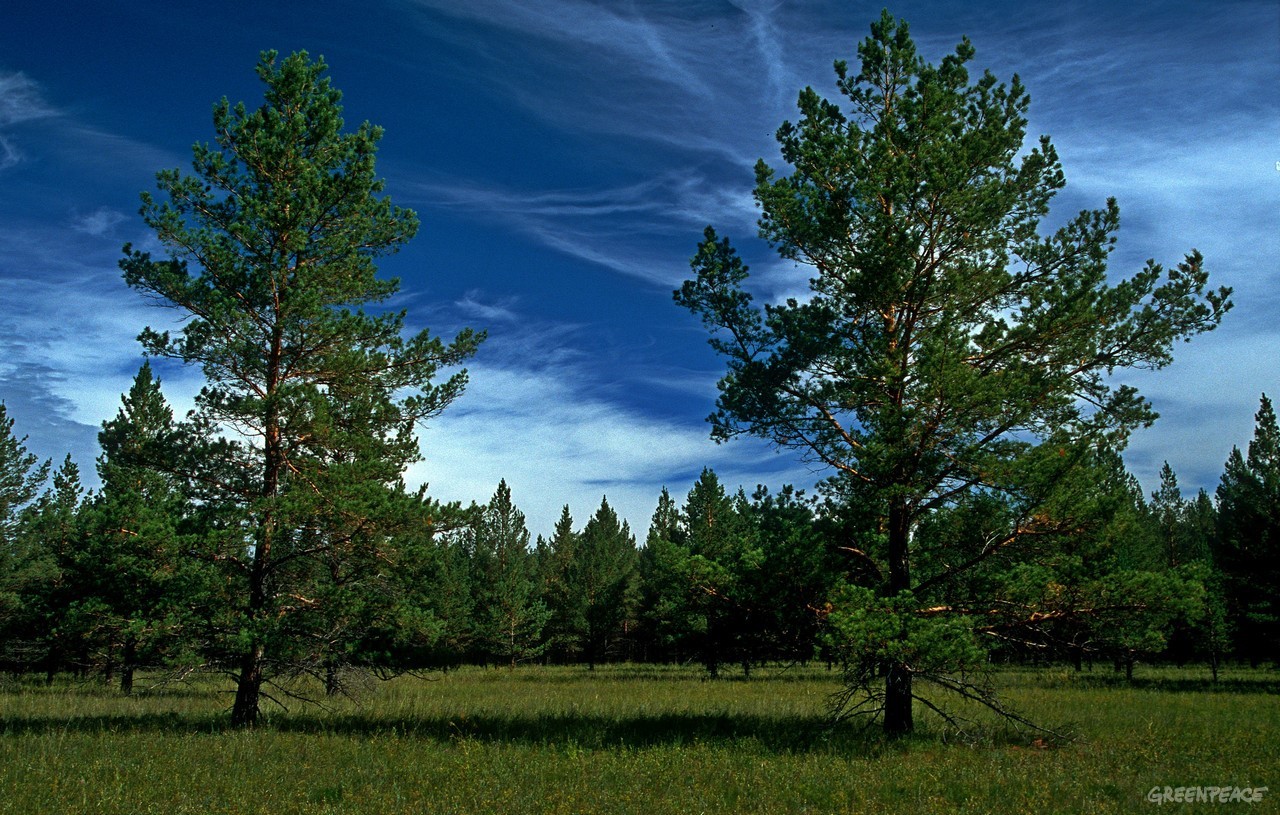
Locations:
628 739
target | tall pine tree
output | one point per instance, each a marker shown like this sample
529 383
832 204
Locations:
944 337
25 570
137 592
311 399
1248 540
603 576
509 614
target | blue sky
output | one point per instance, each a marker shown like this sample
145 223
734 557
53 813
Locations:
564 157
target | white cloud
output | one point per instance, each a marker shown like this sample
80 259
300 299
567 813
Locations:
99 223
558 444
70 350
646 230
20 101
539 413
710 81
1206 399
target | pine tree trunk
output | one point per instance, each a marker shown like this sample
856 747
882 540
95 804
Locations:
249 685
51 660
248 689
246 710
898 717
128 659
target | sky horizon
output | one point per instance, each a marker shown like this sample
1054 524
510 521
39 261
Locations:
564 158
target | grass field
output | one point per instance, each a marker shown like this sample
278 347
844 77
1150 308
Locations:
630 739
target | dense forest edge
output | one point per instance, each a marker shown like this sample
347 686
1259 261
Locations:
112 583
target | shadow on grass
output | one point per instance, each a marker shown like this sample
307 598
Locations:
773 735
661 673
174 723
1260 684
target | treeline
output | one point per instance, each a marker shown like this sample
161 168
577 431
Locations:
134 574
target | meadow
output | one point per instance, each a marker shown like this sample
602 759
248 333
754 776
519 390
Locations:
630 739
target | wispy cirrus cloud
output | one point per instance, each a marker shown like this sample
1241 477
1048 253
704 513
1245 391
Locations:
708 80
69 352
638 124
556 439
20 101
23 102
646 229
539 413
99 223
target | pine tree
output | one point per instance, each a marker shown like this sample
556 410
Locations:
451 596
602 574
21 479
1248 539
510 615
312 400
25 570
1169 508
720 547
944 337
136 593
798 571
666 618
561 591
54 531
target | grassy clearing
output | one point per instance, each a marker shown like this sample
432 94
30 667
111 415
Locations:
626 739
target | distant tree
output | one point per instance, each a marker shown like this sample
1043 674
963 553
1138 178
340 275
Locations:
1168 508
723 558
311 401
603 575
1185 533
561 590
1210 637
133 594
1199 524
724 579
1248 539
798 570
510 615
667 622
450 597
54 532
22 477
26 572
1139 610
1185 527
944 339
